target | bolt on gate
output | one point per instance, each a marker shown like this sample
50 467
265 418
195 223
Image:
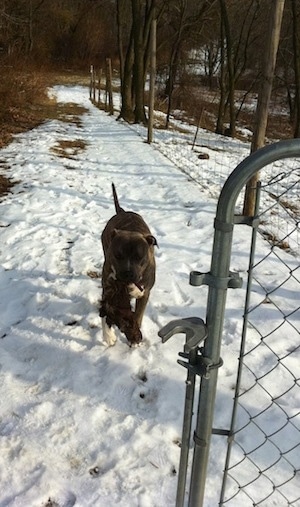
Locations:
262 463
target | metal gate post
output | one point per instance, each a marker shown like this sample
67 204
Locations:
195 331
219 279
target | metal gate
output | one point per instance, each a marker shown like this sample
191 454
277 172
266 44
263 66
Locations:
262 465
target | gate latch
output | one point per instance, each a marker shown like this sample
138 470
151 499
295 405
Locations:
195 330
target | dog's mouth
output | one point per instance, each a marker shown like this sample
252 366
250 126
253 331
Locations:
129 278
136 290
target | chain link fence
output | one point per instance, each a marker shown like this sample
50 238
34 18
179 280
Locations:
262 465
263 456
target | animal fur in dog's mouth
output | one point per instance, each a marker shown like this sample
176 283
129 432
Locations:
135 290
139 286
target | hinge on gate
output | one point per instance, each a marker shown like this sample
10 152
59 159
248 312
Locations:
244 220
237 220
233 281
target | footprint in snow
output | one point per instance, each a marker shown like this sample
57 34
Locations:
181 298
61 499
145 398
120 399
142 375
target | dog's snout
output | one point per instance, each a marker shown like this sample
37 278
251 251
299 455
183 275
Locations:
128 276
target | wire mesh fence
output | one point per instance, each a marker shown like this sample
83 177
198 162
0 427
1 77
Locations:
263 457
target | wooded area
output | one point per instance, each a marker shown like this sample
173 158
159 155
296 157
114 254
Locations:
209 53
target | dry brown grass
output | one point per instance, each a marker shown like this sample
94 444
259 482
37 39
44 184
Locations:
69 148
293 207
25 104
275 241
67 112
23 96
5 185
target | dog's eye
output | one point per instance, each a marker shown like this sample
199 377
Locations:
140 254
138 257
118 256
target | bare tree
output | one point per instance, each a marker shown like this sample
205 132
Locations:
124 15
296 52
174 54
239 31
268 67
136 60
230 69
289 62
139 44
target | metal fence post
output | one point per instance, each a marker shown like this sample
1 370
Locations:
195 331
219 280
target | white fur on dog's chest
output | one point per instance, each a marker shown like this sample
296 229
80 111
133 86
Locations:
134 291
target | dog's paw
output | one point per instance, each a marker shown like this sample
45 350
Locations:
109 335
135 345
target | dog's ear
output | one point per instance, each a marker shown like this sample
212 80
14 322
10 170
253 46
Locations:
151 240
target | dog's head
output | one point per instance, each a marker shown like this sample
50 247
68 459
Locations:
131 253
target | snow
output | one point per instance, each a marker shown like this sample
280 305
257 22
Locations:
82 423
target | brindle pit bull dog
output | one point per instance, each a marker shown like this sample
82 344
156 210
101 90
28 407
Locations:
128 272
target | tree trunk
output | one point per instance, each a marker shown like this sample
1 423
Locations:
230 69
174 63
296 47
221 109
120 40
138 66
126 89
134 75
152 81
171 83
261 117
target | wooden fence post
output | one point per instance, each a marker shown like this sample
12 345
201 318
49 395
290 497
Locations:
152 82
91 81
197 129
109 87
94 85
99 86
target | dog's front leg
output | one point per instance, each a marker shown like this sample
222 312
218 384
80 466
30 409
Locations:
109 335
108 332
140 307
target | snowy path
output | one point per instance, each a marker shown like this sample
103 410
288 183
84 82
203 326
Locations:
69 404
